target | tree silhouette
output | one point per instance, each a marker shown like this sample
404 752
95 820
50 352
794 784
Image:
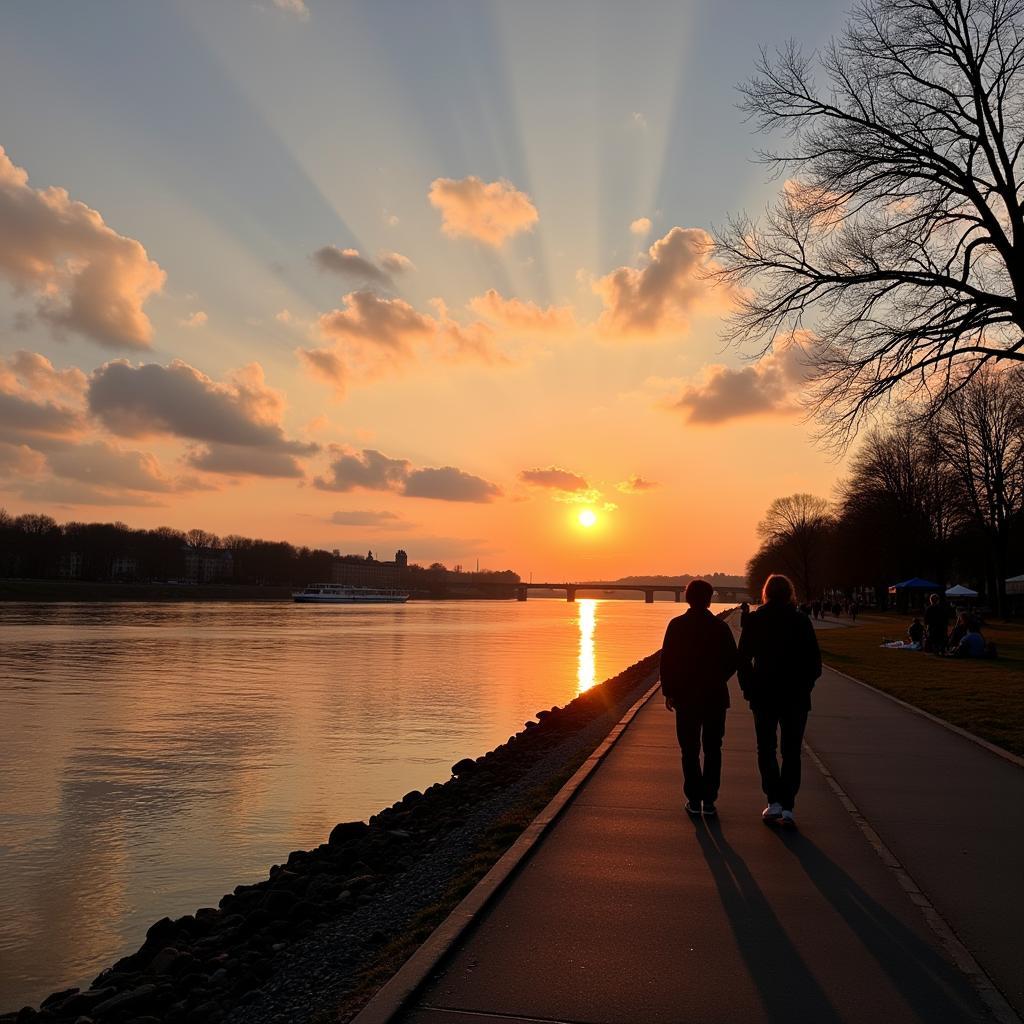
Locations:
796 530
898 240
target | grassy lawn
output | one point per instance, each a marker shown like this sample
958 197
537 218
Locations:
984 697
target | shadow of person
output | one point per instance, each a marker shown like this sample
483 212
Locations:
930 984
788 990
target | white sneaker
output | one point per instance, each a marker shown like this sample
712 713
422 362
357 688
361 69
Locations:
787 820
772 814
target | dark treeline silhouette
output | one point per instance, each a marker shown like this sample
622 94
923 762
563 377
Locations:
34 546
940 497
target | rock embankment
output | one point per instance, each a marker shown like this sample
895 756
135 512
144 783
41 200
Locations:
329 925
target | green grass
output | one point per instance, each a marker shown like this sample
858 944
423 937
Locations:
983 697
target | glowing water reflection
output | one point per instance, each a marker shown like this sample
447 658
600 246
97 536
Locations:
586 674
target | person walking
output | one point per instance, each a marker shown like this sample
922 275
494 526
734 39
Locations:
779 663
697 659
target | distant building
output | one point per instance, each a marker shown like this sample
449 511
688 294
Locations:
69 565
353 571
207 565
124 567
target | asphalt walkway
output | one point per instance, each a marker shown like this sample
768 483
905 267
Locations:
629 912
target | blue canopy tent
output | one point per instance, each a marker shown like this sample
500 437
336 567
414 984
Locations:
911 593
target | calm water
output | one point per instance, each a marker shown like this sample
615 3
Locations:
152 756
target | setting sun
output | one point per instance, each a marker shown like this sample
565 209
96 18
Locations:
587 517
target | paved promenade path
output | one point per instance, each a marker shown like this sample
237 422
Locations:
629 912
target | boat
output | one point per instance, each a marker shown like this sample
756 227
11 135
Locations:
336 593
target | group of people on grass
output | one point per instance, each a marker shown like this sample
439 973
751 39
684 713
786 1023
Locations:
933 634
777 663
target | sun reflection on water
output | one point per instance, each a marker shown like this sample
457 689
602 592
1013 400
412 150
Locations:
585 671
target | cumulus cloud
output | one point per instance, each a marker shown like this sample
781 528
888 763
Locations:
636 485
39 404
555 478
296 8
449 484
348 263
771 386
193 320
20 461
490 212
660 296
86 278
73 492
380 322
105 465
366 517
137 401
396 263
518 315
374 471
238 460
641 226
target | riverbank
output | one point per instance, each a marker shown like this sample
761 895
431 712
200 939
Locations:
328 926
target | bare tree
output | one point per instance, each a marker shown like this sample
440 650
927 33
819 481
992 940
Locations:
796 529
982 429
898 241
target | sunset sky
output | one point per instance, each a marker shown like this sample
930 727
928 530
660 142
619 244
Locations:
392 274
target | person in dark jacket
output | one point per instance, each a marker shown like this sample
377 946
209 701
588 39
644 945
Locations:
779 662
936 625
697 659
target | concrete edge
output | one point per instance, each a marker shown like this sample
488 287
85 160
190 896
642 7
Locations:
992 748
997 1004
396 992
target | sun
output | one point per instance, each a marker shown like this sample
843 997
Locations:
587 517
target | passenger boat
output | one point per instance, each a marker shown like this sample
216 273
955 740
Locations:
336 593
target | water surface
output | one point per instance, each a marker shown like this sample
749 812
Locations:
153 756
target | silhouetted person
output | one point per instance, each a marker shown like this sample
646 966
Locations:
779 663
854 608
958 632
744 613
915 632
936 623
697 659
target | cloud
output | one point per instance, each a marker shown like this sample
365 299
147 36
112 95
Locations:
73 492
383 323
396 263
641 226
104 465
662 295
296 8
374 471
771 386
636 485
449 484
87 279
374 520
20 461
38 403
518 315
638 119
555 478
136 401
327 365
369 469
237 460
194 320
283 316
349 263
489 212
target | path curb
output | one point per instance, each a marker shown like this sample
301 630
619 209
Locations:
992 748
395 994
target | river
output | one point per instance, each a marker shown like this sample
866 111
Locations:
155 755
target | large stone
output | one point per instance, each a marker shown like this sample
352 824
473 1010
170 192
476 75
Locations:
123 1001
279 902
463 767
347 831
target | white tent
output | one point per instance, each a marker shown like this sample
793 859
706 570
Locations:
1015 585
959 591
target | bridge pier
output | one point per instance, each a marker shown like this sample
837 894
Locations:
649 596
521 593
679 596
570 593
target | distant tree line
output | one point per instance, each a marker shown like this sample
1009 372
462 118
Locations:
34 546
938 496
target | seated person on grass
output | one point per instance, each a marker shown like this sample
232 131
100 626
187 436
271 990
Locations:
972 645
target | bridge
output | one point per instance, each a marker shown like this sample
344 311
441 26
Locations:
724 595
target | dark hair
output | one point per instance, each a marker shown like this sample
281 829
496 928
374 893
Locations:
778 588
699 593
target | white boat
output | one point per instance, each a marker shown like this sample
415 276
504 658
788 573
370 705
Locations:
336 593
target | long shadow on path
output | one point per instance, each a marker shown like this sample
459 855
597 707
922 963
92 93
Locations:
787 987
931 985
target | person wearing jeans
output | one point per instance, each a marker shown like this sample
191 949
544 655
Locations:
779 663
697 659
